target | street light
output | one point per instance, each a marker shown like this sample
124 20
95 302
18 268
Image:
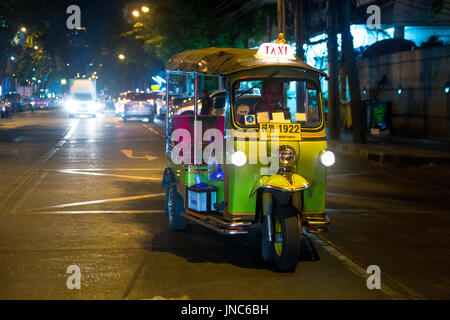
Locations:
121 56
36 47
145 9
23 29
135 13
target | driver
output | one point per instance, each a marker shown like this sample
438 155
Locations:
272 91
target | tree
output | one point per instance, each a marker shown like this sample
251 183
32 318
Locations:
37 18
174 26
137 66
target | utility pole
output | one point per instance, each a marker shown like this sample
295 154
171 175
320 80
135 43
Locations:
281 6
351 69
333 71
299 26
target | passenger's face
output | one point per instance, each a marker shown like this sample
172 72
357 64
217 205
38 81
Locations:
272 95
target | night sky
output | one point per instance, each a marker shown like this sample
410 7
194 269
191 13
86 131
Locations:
95 13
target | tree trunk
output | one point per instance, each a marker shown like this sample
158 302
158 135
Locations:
333 72
357 107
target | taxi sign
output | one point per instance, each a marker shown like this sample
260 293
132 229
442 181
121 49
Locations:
275 50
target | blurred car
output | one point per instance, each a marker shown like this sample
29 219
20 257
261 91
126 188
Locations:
109 103
41 101
161 105
139 105
119 103
82 104
5 109
28 102
15 101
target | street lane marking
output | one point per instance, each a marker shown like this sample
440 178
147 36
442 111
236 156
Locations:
129 154
106 169
389 286
101 212
90 173
154 131
14 187
27 194
84 203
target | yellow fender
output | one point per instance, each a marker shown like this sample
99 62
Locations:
294 182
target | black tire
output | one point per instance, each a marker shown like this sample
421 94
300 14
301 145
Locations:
124 119
287 225
174 208
151 118
266 246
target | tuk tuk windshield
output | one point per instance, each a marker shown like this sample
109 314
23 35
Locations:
277 101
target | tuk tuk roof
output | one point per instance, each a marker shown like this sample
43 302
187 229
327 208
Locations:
226 61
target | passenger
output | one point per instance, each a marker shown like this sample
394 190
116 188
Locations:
207 103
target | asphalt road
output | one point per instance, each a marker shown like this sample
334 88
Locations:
86 192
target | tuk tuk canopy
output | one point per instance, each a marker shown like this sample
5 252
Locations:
227 61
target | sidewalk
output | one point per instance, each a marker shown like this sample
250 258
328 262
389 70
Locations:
394 150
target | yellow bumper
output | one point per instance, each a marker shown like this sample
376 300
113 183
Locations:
292 183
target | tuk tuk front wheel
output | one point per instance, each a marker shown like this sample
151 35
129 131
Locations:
286 238
174 208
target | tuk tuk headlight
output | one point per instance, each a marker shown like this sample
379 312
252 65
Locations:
238 158
286 155
327 158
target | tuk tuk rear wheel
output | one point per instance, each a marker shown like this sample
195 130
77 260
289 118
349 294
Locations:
286 238
174 208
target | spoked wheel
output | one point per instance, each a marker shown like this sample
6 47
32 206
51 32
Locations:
286 238
174 208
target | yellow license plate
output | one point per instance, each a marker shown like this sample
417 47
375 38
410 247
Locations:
286 131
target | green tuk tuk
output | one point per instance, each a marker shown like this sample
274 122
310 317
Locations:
262 162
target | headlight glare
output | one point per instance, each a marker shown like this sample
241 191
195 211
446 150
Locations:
238 158
327 158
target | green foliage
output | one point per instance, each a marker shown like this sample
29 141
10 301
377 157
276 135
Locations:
37 17
173 26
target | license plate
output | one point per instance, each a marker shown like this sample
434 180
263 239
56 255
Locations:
286 131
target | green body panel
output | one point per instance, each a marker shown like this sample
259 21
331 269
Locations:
243 180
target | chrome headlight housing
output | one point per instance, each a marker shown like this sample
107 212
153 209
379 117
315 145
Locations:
286 156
